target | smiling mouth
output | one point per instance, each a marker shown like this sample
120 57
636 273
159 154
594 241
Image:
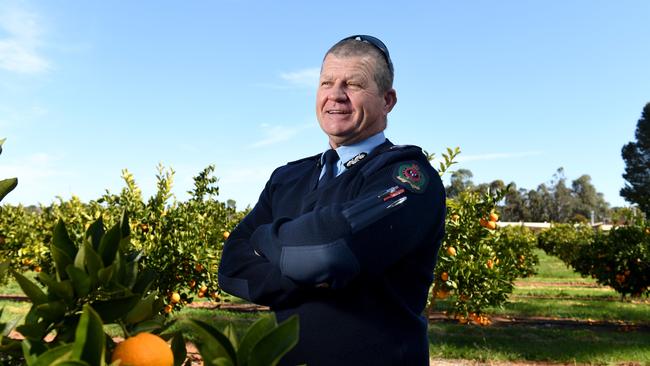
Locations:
336 111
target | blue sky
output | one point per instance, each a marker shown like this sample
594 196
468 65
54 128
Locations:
88 88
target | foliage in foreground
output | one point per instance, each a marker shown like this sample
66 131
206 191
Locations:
97 282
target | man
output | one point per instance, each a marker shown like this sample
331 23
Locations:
346 239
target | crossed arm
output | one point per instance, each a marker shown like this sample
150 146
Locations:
270 260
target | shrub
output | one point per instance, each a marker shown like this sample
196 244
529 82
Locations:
565 240
619 259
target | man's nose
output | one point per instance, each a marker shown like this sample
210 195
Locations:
337 93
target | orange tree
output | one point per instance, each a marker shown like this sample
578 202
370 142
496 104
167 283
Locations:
565 240
182 241
478 261
619 259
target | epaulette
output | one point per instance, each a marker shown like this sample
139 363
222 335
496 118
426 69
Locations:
392 155
313 157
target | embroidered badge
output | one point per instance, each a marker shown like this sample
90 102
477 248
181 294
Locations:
348 164
412 176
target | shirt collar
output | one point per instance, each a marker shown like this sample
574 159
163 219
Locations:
348 152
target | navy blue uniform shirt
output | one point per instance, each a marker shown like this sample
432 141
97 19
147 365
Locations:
354 257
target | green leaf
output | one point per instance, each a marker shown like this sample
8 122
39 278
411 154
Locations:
72 363
35 294
144 281
125 228
80 280
220 361
257 331
33 331
63 250
80 258
109 245
61 261
178 348
6 186
111 310
61 289
148 326
143 310
52 311
270 349
229 331
29 353
93 263
212 344
95 233
90 339
54 356
106 274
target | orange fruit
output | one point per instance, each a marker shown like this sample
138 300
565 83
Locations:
490 264
144 349
226 234
455 217
494 217
198 267
451 251
488 224
444 276
192 283
168 308
175 297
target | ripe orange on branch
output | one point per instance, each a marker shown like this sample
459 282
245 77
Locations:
145 349
175 297
488 224
494 217
451 251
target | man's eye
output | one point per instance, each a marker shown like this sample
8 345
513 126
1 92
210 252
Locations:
325 83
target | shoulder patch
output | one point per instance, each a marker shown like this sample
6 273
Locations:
411 176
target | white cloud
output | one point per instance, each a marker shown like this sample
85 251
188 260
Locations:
19 50
277 134
303 78
497 156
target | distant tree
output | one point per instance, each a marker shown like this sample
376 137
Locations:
588 200
563 201
514 207
461 180
637 165
540 203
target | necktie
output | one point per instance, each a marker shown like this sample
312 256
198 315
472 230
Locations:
331 157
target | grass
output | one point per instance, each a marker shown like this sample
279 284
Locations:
537 344
555 292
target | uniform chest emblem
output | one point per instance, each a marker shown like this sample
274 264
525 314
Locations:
348 164
411 176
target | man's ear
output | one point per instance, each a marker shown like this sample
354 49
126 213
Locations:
390 99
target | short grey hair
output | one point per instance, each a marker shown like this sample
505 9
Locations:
350 47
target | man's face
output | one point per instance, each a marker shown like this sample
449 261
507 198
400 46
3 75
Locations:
349 105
